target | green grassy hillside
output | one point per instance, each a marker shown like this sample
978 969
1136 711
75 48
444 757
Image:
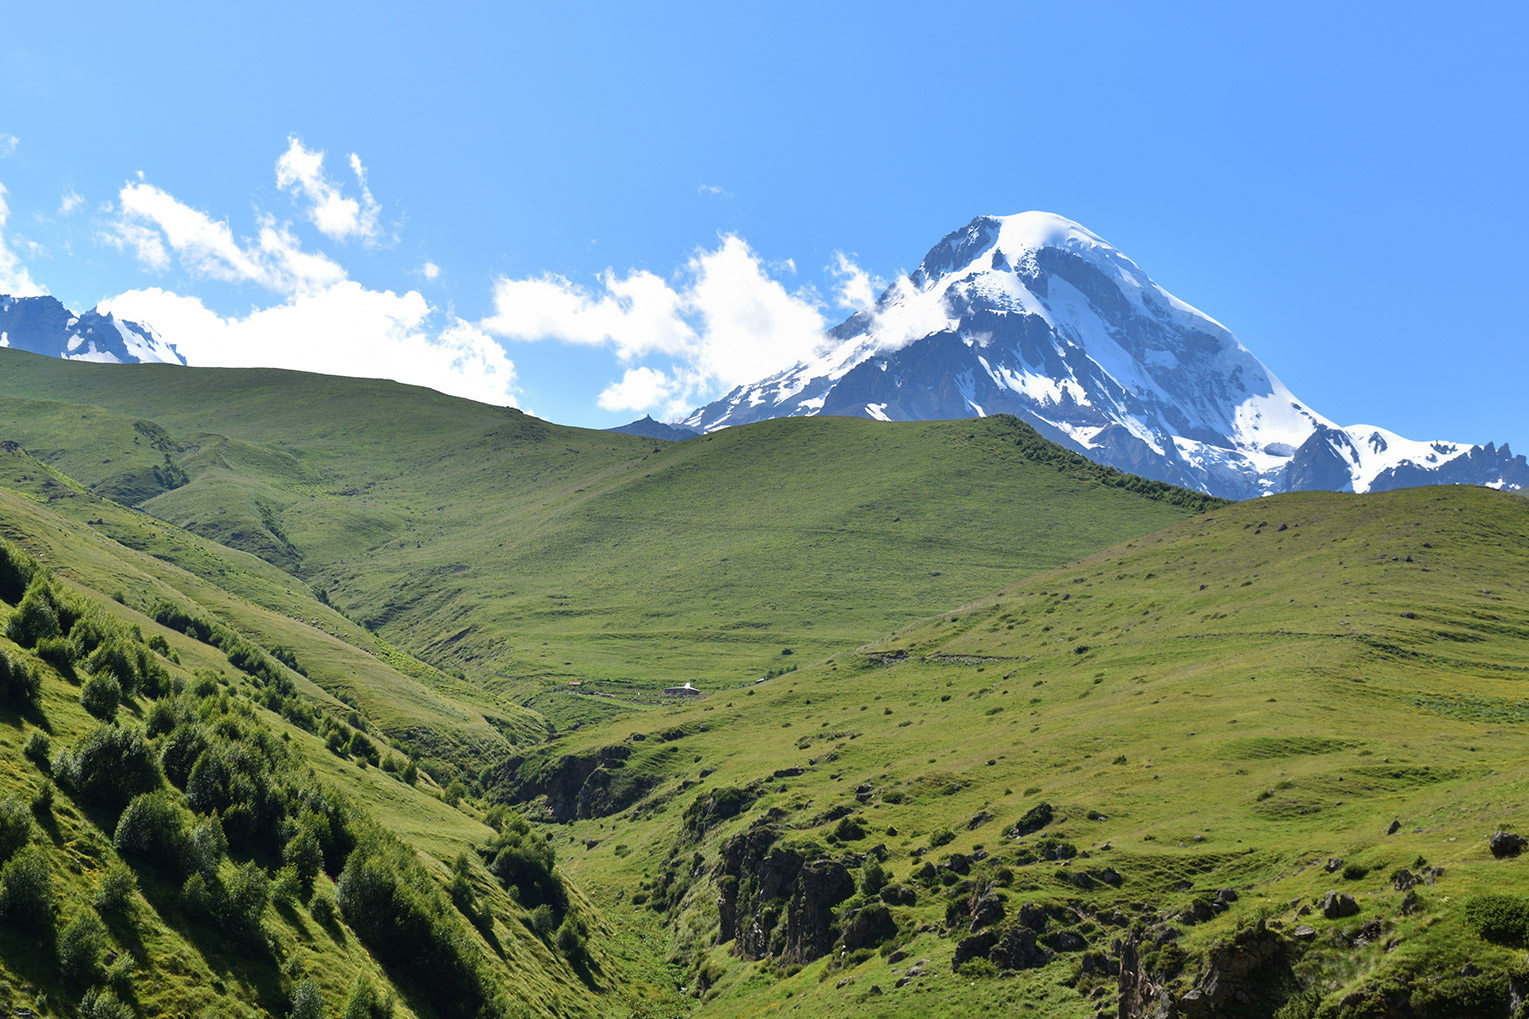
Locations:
524 555
152 856
1231 703
1132 782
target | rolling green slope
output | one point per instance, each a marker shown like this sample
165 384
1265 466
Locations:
1232 703
201 907
525 555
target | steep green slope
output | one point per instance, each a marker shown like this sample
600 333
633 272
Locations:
513 550
1305 694
203 781
438 718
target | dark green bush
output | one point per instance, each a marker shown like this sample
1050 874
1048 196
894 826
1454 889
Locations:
100 696
80 946
42 800
16 572
59 653
366 1002
544 920
849 829
39 750
1498 916
572 940
19 684
111 765
525 864
26 890
99 1004
873 878
160 720
400 915
35 618
321 908
176 618
15 827
179 751
307 1000
114 896
155 830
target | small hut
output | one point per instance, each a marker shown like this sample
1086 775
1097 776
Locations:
682 691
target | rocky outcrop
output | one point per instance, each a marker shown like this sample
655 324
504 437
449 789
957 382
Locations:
1249 974
574 785
777 902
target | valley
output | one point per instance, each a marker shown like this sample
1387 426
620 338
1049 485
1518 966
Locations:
1049 739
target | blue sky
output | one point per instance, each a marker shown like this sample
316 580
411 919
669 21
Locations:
670 198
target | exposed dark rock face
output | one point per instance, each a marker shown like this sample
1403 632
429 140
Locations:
1248 976
1506 844
870 926
777 902
575 785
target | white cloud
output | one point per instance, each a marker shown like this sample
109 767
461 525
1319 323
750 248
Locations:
344 329
712 189
70 201
321 320
8 144
154 223
14 278
430 271
856 289
639 389
722 322
300 172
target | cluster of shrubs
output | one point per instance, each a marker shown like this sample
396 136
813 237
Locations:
1037 449
525 864
73 637
201 794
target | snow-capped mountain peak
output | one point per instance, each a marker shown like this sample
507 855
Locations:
1037 316
44 326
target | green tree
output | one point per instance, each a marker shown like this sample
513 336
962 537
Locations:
80 947
15 826
307 1000
19 685
26 890
366 1002
111 765
114 896
101 695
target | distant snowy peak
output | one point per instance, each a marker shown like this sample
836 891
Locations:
1036 316
43 325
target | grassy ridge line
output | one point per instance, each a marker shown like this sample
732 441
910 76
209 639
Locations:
504 547
1236 735
424 709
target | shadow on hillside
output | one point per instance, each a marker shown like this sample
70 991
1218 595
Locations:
19 716
32 955
246 961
